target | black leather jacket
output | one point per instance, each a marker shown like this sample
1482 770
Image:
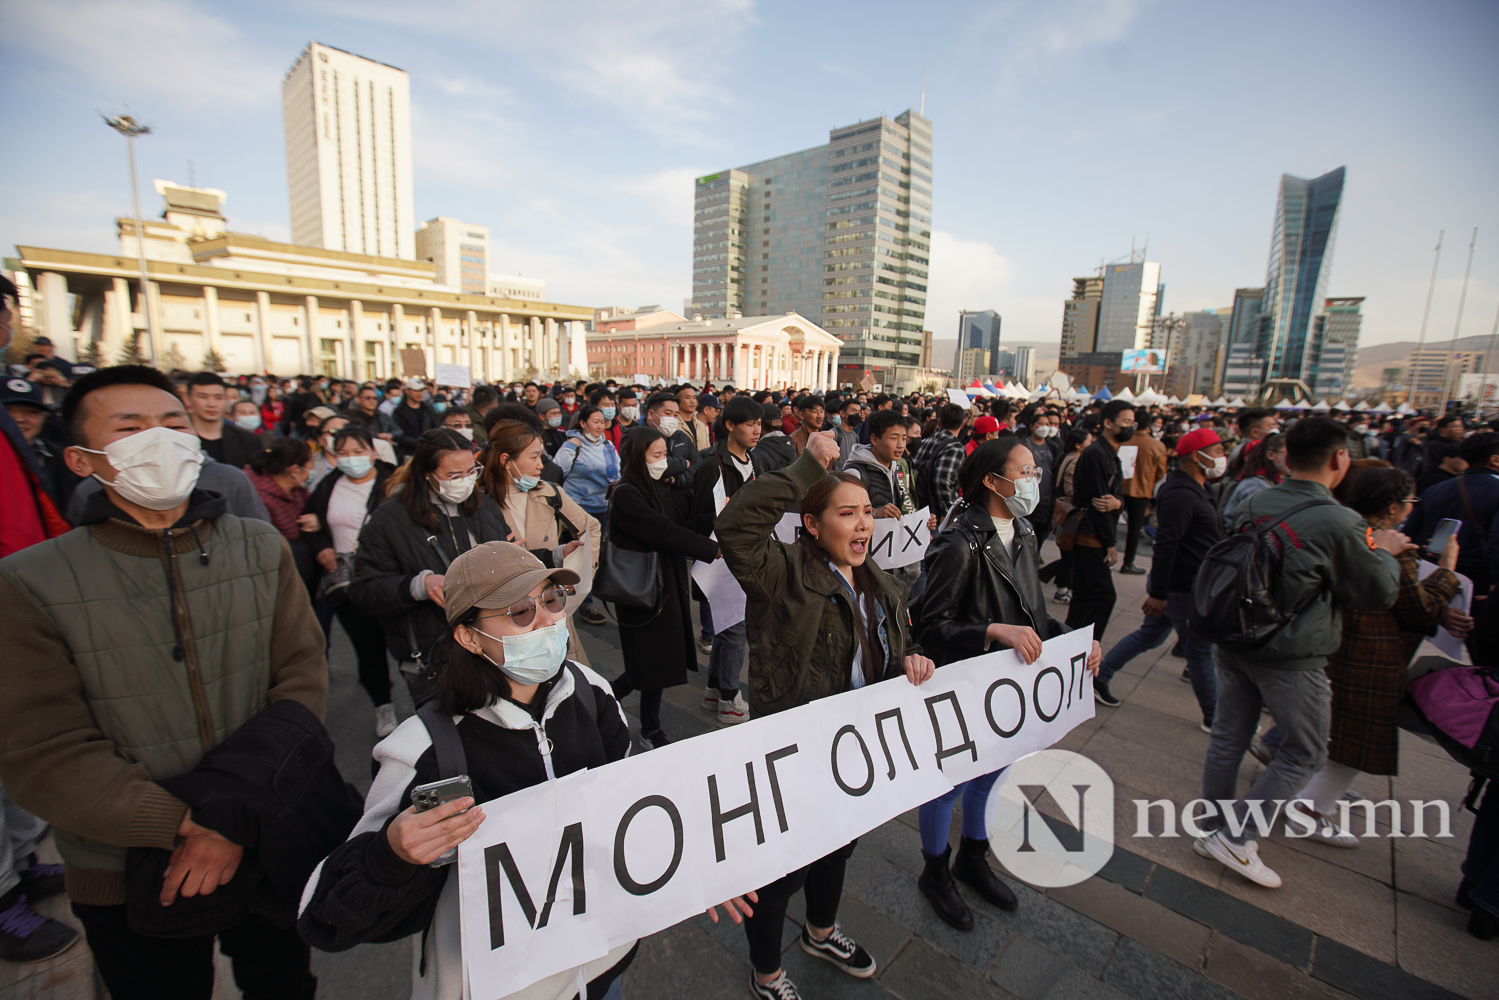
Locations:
971 582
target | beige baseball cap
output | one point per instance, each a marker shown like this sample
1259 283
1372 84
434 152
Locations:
494 575
415 384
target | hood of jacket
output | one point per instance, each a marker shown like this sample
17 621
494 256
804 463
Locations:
202 505
863 454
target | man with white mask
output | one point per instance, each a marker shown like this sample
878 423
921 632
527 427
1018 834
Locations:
1188 527
135 643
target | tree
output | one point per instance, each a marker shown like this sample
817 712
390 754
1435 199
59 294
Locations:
93 356
213 361
172 359
131 353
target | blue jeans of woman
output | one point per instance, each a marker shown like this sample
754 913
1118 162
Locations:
1155 630
935 817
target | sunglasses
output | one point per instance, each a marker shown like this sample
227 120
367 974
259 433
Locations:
523 612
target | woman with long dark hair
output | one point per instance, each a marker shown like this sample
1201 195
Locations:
434 516
983 593
525 714
339 509
822 620
656 643
1078 438
546 521
1265 467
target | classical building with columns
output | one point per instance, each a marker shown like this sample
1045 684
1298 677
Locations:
751 352
274 307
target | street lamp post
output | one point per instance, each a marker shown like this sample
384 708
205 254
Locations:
130 128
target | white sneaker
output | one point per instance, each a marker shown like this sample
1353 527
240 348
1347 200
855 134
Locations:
731 712
1241 858
385 720
710 699
1330 833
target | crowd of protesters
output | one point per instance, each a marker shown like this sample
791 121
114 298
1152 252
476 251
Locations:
178 546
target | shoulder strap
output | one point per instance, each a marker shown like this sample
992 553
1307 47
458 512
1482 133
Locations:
451 760
583 690
1276 521
1478 526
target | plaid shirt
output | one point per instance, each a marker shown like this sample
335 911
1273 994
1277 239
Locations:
937 460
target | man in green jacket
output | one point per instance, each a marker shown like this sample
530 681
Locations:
133 645
1330 559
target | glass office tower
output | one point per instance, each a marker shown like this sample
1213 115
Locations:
1306 225
839 233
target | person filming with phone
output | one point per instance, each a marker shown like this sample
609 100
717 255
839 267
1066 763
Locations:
523 714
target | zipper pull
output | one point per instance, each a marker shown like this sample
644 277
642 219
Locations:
543 742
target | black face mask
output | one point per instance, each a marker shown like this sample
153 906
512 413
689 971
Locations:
1124 433
853 420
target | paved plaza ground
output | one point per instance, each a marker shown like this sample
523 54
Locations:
1377 923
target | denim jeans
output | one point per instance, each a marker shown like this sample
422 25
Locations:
935 817
1153 632
730 647
1300 701
705 616
19 833
616 990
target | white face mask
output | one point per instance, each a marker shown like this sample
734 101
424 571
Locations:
454 490
1216 470
656 469
668 426
533 657
155 469
629 414
466 432
248 421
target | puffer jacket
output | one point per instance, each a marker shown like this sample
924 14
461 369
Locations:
394 550
1328 558
885 485
589 468
363 892
130 652
801 621
972 582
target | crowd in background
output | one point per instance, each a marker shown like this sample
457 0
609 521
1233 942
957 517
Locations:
452 530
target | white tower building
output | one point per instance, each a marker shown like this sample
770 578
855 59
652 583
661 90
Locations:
348 153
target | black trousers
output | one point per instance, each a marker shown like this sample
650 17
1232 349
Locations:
650 703
269 963
368 640
822 881
1093 591
1135 508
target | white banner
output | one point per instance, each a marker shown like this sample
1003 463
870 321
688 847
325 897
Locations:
1449 644
562 872
454 375
894 543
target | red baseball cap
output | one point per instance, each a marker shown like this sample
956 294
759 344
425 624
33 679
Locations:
1202 437
985 425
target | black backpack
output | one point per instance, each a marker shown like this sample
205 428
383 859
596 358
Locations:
1236 596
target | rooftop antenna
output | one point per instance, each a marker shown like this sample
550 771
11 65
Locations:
1410 390
923 93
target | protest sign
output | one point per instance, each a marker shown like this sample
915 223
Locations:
654 839
895 543
413 361
959 397
725 596
1128 453
1449 644
454 375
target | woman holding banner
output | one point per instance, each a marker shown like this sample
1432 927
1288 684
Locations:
522 714
983 593
822 620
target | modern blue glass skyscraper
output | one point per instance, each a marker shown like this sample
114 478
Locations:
1306 225
979 331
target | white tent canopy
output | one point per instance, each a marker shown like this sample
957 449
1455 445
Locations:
1321 407
1220 401
1342 406
1404 408
1383 407
1284 404
1361 407
1173 401
1017 390
1124 394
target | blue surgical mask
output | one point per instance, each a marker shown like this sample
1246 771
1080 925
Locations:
527 483
355 466
533 657
608 411
555 420
1027 495
440 407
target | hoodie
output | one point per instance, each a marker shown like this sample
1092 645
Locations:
885 485
588 469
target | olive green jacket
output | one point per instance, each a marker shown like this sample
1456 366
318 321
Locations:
129 653
799 619
1328 558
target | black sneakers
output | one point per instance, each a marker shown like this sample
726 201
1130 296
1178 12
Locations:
41 881
779 988
26 935
840 949
1102 695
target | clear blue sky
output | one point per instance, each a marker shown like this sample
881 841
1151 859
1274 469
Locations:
1062 130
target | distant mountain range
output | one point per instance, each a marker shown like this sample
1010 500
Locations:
1374 359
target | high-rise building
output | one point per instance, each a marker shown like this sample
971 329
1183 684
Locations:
1301 245
1195 352
1080 317
348 153
459 249
979 331
1241 368
839 233
1130 303
1016 364
1334 350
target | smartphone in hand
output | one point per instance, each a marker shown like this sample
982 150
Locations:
1446 528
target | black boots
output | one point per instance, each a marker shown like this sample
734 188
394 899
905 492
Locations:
972 867
937 886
